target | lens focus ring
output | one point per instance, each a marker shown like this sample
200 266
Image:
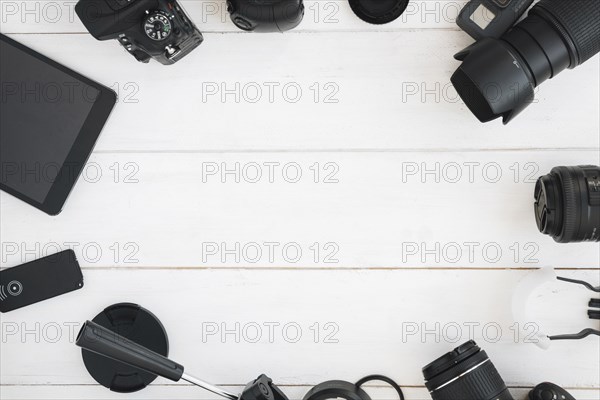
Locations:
579 19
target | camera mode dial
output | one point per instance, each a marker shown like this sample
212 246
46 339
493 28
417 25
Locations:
158 26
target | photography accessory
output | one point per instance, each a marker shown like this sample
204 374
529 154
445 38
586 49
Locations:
381 378
466 373
378 12
491 18
336 390
107 343
549 391
594 314
51 119
134 323
522 295
348 391
266 15
39 280
582 283
567 204
158 29
497 77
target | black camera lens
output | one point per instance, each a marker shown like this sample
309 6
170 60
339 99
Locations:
498 76
567 204
465 374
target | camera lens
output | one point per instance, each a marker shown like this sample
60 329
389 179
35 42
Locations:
567 204
465 374
498 76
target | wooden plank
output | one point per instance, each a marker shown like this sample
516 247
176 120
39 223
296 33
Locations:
47 16
343 91
182 392
301 210
370 315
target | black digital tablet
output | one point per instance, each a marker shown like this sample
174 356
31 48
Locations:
50 119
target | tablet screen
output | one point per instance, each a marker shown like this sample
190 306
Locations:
42 111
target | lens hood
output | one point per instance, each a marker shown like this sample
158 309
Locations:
498 76
492 80
336 390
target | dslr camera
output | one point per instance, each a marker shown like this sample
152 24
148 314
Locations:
158 29
162 30
500 71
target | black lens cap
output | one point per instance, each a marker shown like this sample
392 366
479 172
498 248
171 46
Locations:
378 11
138 325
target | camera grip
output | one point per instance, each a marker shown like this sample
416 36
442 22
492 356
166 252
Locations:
105 342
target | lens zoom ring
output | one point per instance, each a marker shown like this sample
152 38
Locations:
581 21
483 383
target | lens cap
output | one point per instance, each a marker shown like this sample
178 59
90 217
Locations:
378 11
134 323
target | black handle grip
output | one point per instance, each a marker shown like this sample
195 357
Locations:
105 342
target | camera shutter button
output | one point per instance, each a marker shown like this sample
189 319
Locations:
548 394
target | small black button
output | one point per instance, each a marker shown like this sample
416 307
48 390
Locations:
548 395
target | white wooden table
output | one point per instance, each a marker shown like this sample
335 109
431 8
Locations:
327 183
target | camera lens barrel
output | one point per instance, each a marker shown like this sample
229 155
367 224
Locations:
498 76
567 204
556 36
577 20
466 373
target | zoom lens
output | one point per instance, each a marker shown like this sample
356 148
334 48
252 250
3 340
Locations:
465 374
498 76
567 204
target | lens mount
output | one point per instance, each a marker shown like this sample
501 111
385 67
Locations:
493 80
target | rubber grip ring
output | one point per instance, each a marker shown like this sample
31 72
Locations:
336 389
381 378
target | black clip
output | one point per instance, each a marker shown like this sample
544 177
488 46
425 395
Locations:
592 314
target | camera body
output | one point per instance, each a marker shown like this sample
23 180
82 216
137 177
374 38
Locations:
158 29
490 18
